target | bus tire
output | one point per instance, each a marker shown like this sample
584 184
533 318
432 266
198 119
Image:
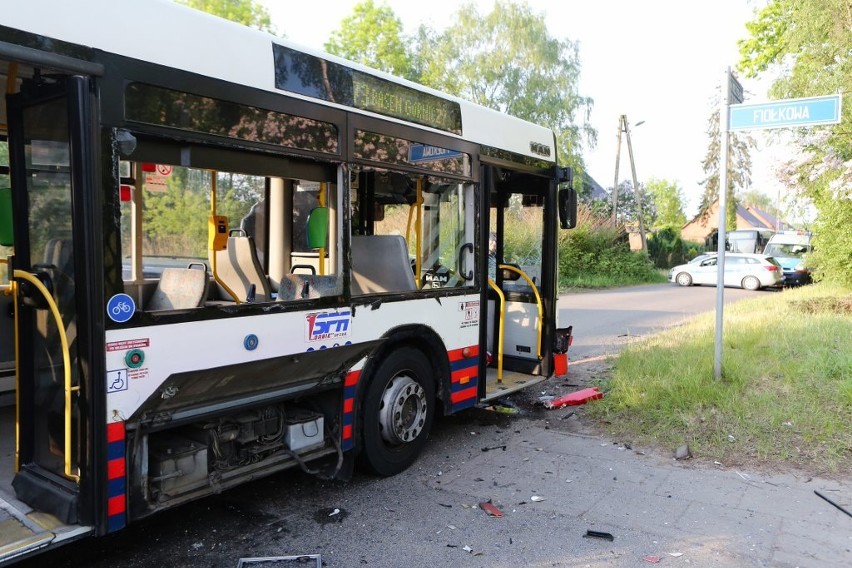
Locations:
397 414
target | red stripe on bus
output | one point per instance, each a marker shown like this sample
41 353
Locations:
115 432
116 506
116 469
352 378
347 431
458 354
348 405
465 394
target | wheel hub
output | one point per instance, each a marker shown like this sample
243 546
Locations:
403 411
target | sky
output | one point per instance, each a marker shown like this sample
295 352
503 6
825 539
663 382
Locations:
659 62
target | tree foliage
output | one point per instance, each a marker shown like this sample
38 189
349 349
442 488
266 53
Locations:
373 35
247 12
667 197
739 169
808 44
507 60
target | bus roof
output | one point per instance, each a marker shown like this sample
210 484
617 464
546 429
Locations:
165 33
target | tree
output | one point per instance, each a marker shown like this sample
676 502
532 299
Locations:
627 205
373 36
668 198
507 60
808 43
247 12
739 169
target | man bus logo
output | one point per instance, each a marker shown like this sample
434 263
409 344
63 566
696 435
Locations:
328 325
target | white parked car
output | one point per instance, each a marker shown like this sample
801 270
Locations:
749 271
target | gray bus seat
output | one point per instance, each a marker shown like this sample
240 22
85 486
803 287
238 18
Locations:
380 264
238 267
307 286
179 289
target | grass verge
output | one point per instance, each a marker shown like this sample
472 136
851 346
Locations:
785 399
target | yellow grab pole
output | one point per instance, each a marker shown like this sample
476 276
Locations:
321 251
537 301
66 361
502 325
212 226
418 229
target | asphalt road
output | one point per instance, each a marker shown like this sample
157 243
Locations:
550 478
605 320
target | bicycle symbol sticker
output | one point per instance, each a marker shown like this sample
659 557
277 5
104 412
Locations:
120 308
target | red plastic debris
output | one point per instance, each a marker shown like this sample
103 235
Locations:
489 508
652 559
574 398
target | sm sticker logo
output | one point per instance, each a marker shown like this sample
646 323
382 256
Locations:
327 325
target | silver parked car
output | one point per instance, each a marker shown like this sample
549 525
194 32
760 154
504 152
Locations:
749 271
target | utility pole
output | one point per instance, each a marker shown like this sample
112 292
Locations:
623 126
615 182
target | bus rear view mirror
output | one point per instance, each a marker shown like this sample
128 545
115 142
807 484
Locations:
567 208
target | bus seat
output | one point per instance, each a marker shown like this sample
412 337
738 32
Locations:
180 289
238 267
307 286
380 263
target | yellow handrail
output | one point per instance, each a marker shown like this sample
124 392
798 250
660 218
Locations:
418 229
517 270
321 198
66 361
502 326
211 226
11 289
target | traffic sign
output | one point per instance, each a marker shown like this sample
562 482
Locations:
812 111
735 91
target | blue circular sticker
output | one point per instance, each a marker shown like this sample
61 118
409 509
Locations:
250 342
120 308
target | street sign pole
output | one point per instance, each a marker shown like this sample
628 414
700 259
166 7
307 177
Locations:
730 89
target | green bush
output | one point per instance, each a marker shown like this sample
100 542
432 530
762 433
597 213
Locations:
666 248
595 254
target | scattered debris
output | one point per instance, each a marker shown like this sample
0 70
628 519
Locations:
447 505
536 499
598 534
300 560
488 449
832 502
651 559
731 438
329 516
503 408
682 452
466 548
489 508
676 554
574 398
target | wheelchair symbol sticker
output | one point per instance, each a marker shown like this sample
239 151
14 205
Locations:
116 380
121 308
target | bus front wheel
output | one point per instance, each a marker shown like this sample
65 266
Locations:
398 411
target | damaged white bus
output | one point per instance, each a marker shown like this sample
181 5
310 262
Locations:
226 256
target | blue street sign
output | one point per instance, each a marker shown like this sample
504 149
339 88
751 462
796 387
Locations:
812 111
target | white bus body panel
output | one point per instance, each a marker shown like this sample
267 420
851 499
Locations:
169 34
177 348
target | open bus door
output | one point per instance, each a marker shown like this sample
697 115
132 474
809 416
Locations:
47 145
520 290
